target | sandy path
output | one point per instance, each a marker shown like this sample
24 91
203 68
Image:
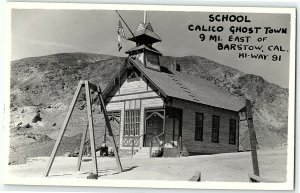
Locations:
229 167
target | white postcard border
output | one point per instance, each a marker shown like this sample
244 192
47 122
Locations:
288 185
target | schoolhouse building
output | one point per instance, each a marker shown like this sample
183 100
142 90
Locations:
161 107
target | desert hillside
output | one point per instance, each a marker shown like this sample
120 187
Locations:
42 88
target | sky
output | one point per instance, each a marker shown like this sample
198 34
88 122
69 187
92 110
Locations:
42 32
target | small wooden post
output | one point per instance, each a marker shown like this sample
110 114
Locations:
63 129
173 133
91 127
150 149
164 135
81 151
109 129
180 144
132 147
252 136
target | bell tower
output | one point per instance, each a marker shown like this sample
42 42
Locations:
145 37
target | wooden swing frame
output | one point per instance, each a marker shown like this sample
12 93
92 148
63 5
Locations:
90 127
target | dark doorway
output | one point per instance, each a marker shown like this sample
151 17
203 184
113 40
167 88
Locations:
173 127
154 123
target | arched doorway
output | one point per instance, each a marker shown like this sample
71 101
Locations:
154 126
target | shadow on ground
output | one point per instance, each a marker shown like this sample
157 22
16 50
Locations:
114 171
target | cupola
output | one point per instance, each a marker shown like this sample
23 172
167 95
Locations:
144 37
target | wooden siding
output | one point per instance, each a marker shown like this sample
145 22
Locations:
138 90
132 96
188 128
129 87
131 90
115 106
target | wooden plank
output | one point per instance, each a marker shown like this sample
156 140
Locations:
81 148
63 129
151 103
115 106
150 149
164 131
252 138
133 96
140 92
254 178
155 98
91 127
109 129
121 135
132 147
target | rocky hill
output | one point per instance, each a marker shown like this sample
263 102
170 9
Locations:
43 86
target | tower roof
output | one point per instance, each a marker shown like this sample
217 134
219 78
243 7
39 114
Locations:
142 47
144 32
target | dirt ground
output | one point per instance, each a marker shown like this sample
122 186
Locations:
228 167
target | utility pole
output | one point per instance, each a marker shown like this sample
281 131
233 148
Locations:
252 136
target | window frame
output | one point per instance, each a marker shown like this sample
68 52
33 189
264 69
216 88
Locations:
217 130
230 131
132 120
199 126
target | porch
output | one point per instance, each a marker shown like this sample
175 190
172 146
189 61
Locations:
161 135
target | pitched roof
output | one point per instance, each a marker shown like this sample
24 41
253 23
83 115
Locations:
190 88
186 87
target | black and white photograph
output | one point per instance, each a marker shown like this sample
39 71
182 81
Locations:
151 96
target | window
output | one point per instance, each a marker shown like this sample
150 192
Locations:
132 123
232 131
215 129
132 75
199 127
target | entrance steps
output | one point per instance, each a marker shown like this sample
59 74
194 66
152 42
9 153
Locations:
144 152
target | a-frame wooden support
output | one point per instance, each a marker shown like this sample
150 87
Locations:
81 150
90 127
110 133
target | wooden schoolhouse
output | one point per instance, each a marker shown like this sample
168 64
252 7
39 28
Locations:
161 107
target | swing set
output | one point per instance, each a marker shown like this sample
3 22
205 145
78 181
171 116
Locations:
89 87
